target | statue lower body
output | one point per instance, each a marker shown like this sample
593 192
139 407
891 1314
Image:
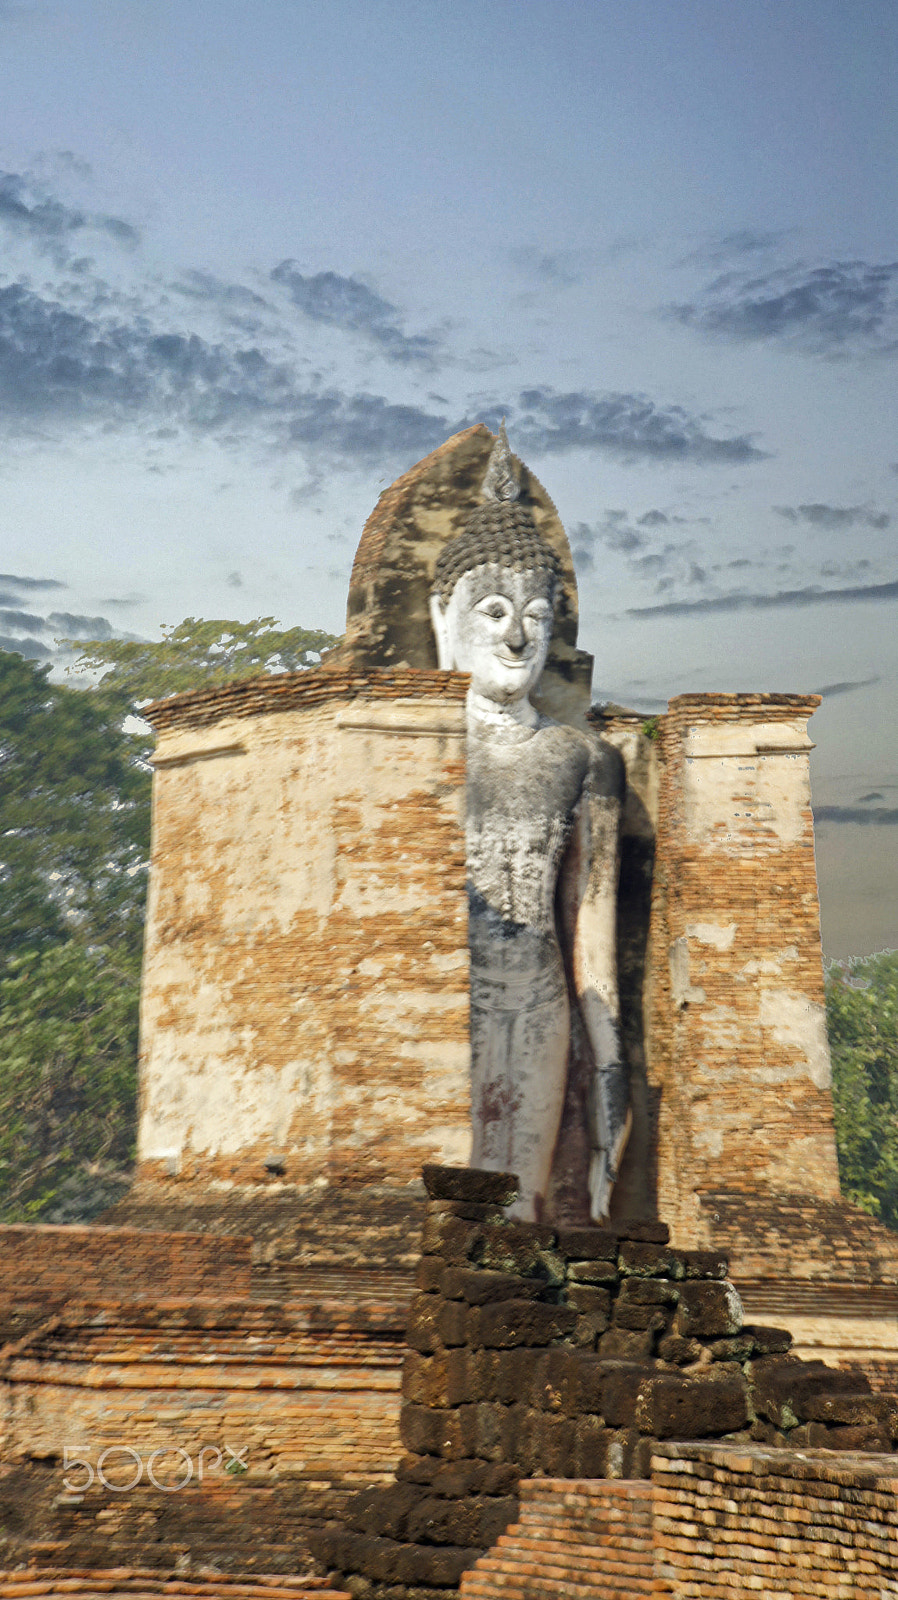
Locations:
520 1035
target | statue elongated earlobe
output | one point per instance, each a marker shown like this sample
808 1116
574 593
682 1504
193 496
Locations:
440 622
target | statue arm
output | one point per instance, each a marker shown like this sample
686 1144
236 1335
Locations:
595 860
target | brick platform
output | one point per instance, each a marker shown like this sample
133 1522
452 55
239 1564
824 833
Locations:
308 1389
713 1523
136 1582
577 1539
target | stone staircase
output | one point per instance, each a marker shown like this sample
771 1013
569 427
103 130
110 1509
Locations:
577 1539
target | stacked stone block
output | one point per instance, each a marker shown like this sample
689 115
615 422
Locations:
570 1353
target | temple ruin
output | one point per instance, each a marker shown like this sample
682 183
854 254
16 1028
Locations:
305 1053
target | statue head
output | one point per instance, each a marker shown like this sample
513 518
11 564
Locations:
493 600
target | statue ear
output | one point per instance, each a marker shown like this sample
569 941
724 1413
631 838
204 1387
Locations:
440 622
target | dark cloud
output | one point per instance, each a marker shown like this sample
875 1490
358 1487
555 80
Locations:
614 531
53 638
554 268
834 518
665 564
812 595
205 286
830 690
19 582
20 619
656 519
734 246
113 366
347 303
71 625
627 425
27 208
878 817
31 649
63 366
234 580
840 309
864 799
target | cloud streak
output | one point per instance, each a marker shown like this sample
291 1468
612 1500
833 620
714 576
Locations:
876 817
110 367
347 303
842 308
831 690
630 426
27 209
834 519
786 599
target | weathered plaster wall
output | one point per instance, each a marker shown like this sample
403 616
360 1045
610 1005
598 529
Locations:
738 1058
305 988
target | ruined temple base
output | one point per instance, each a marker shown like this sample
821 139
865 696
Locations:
713 1522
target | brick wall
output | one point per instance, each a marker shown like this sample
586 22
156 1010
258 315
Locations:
305 989
732 1523
303 1391
569 1352
737 1040
593 1538
716 1522
41 1263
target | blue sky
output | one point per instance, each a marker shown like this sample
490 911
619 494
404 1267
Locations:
255 260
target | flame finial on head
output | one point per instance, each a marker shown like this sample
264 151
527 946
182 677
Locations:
500 482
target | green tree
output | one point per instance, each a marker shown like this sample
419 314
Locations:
74 816
862 1020
198 654
74 848
68 1079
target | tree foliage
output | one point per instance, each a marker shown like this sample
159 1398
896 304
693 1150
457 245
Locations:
68 1079
74 848
74 816
862 1020
198 654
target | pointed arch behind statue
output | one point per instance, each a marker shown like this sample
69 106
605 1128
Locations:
387 614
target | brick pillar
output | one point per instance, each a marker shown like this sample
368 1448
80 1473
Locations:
739 1055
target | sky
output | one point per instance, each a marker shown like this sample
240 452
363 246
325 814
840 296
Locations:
256 259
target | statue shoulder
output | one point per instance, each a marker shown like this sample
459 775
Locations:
607 773
602 764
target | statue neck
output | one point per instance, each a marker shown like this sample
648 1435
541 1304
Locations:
495 719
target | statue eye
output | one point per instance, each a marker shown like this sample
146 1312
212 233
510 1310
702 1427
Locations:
493 608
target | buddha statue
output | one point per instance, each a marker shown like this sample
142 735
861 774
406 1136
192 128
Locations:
542 818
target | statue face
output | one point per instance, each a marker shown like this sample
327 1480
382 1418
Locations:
497 626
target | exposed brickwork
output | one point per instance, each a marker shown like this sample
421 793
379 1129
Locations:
292 691
227 1528
306 1390
732 1523
44 1264
715 1522
146 1581
737 1033
305 993
593 1538
570 1352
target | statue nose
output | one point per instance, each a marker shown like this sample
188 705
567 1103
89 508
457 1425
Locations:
515 637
